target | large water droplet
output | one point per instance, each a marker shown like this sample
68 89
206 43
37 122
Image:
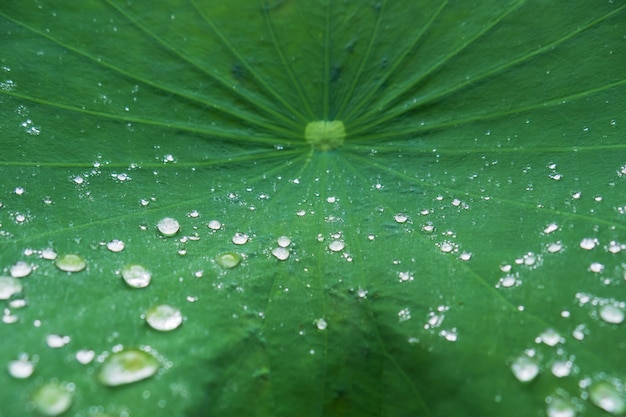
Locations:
612 314
136 276
164 317
321 324
336 245
52 399
550 337
168 226
229 260
525 368
9 286
126 367
70 263
280 253
607 397
21 269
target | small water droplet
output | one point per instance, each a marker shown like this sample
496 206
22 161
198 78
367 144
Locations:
71 263
552 227
550 337
214 225
164 317
525 368
561 369
52 399
85 356
446 247
9 286
401 218
56 341
554 247
168 226
48 254
20 269
588 243
559 407
136 276
607 397
21 368
281 253
336 245
321 324
229 260
115 245
612 314
283 241
127 366
240 238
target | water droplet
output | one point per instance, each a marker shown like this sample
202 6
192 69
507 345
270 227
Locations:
465 256
559 407
401 218
168 226
283 241
240 238
136 276
404 314
588 243
561 369
405 276
446 247
164 317
524 368
214 225
127 366
607 397
56 341
612 314
52 399
85 356
21 368
555 247
321 324
336 245
229 260
281 253
71 263
9 286
550 337
21 269
48 254
552 227
115 245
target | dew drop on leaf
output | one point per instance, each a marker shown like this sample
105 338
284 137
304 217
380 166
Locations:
9 286
168 226
115 245
229 260
20 269
588 243
56 341
21 368
550 337
280 253
612 314
164 317
283 241
524 368
126 367
336 245
48 254
52 399
559 407
321 324
607 397
71 263
214 225
136 276
85 356
240 239
561 369
400 218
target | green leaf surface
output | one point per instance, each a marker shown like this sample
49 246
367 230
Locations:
474 214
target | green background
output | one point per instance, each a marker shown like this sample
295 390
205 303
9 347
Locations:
486 121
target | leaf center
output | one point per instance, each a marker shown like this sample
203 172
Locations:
325 135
